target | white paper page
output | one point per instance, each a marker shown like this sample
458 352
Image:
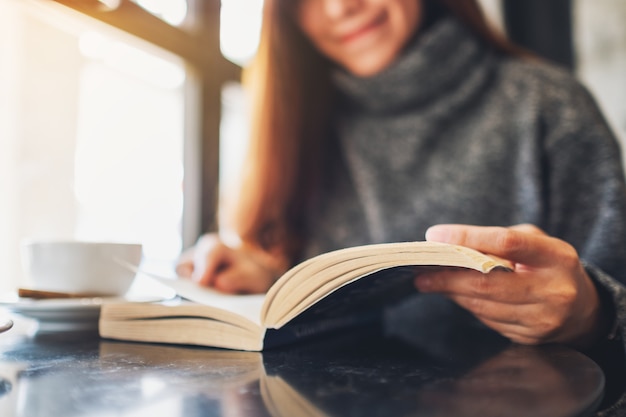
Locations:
248 306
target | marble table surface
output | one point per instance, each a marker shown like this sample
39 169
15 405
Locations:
365 373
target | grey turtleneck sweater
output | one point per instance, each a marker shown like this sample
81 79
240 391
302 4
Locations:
454 133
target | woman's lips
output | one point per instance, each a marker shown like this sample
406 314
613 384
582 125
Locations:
363 30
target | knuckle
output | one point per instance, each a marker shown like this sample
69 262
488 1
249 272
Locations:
478 307
566 296
561 296
569 257
510 241
531 228
482 286
227 282
528 228
462 237
547 327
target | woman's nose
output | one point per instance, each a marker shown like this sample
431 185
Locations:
341 8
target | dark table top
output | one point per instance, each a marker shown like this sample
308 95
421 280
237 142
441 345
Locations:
366 373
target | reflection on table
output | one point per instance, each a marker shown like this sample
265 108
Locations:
352 374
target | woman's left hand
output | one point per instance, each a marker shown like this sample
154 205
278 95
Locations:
549 298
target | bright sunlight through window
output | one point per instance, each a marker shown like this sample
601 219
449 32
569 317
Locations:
170 11
240 27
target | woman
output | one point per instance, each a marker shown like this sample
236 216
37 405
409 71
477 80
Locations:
375 119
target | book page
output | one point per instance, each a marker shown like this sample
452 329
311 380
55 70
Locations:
361 298
248 306
313 279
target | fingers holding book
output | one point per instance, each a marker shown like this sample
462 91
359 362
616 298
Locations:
548 298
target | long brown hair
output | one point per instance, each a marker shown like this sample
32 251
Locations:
291 97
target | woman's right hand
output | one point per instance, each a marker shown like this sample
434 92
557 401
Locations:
238 270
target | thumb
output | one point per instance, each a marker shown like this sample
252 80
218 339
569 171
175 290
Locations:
535 249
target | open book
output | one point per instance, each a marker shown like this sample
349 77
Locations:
342 288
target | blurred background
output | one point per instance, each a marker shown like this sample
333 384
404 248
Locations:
125 120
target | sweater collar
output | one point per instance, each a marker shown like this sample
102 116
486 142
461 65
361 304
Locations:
435 62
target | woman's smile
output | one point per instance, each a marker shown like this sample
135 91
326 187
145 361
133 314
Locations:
363 36
366 30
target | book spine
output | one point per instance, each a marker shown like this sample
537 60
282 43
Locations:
294 332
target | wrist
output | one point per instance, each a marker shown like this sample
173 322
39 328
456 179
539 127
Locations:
603 323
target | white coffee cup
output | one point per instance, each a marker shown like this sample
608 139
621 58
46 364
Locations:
98 268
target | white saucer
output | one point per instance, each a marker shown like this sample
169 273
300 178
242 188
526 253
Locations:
70 314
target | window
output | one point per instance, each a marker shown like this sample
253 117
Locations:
600 42
109 123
